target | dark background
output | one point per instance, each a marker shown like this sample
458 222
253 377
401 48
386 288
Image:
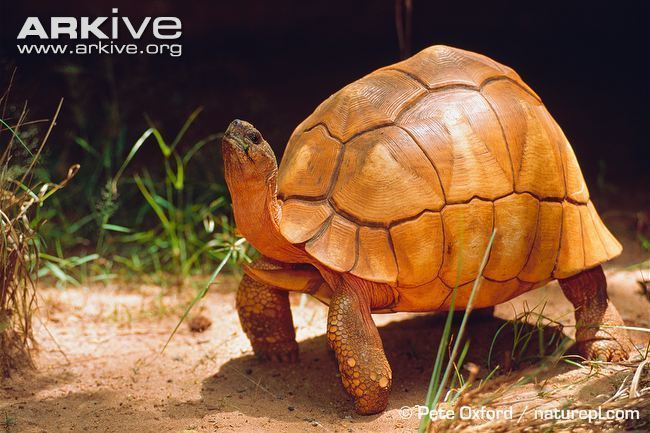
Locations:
273 62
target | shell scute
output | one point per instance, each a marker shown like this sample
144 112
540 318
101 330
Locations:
418 246
336 245
467 229
611 244
461 135
533 144
376 259
301 220
312 163
440 65
571 257
374 100
515 219
380 169
541 261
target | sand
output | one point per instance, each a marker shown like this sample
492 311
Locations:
101 369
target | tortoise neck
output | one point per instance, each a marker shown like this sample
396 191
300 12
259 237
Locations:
257 215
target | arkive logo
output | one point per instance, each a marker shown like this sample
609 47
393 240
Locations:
106 30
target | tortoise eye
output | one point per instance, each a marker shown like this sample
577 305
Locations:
254 137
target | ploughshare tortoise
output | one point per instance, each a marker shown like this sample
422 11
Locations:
388 184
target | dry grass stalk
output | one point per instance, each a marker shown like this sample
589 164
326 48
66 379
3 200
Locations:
633 394
19 256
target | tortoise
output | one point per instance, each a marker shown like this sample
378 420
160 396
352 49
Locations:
388 184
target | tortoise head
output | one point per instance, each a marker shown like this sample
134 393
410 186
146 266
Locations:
246 154
251 174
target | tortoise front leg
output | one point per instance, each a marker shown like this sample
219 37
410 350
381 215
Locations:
265 316
353 336
587 291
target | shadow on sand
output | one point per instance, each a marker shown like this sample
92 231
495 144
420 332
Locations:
310 388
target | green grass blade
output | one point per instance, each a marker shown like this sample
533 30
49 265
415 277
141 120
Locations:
468 310
86 146
152 202
185 127
440 385
15 134
134 149
201 294
199 144
494 339
116 228
59 274
444 338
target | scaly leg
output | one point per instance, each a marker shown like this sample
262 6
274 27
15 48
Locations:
353 336
587 291
265 316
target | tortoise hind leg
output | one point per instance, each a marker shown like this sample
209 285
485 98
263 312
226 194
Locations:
265 316
353 336
587 291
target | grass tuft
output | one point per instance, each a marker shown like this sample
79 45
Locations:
20 196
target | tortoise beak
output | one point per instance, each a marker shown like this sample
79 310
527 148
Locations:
233 139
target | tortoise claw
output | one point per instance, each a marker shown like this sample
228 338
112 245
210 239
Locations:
611 349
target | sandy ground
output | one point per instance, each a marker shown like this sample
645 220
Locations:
102 369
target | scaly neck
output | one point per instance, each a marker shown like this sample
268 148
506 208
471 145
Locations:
257 215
